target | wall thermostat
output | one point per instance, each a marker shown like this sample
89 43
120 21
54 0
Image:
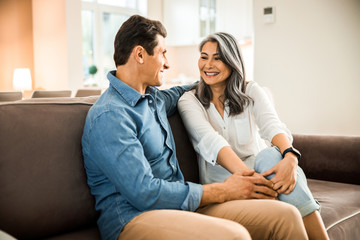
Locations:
269 15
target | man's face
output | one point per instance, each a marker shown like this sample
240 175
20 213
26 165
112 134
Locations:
155 65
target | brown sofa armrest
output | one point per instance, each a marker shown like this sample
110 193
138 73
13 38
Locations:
331 158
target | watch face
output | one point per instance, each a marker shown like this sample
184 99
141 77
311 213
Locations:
294 151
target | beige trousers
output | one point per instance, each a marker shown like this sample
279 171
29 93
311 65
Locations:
262 219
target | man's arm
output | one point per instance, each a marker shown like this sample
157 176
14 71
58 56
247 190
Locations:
171 97
238 186
118 153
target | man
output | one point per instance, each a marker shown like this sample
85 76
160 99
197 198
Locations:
133 172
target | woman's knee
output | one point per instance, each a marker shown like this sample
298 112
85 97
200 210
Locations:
266 159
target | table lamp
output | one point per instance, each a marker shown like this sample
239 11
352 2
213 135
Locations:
22 79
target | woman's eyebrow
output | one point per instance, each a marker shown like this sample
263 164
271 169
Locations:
215 54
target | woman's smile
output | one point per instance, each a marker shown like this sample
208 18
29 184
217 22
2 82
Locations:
212 69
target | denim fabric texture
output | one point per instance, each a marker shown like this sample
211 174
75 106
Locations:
301 196
129 156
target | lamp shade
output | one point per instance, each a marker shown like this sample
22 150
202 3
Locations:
22 79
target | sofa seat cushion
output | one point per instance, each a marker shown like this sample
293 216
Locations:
340 207
86 234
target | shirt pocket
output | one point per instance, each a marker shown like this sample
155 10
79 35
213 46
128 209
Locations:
242 130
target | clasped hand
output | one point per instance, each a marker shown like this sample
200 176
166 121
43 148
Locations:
249 185
285 174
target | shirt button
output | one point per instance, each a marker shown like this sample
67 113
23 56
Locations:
150 101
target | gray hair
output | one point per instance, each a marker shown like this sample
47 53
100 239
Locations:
230 55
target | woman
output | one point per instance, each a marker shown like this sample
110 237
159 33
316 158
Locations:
228 120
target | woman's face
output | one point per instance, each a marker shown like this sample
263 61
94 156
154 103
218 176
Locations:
212 69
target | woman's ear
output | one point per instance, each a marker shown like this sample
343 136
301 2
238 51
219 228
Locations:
138 53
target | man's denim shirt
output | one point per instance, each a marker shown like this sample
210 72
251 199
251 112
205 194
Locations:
129 154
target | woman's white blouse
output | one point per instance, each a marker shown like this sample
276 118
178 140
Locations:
245 132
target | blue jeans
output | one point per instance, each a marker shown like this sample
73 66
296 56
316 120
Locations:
301 196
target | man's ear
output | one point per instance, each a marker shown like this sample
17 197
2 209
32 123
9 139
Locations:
138 52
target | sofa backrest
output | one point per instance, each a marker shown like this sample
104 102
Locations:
184 150
330 157
43 189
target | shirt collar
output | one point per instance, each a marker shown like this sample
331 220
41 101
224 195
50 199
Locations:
130 95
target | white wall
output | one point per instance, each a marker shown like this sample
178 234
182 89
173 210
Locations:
74 44
310 59
155 9
57 44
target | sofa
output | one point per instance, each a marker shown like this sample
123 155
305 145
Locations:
43 188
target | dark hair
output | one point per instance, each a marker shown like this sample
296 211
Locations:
137 30
230 54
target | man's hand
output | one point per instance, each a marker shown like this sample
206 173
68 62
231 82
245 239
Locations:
241 185
285 174
248 185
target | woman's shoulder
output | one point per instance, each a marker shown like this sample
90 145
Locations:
253 89
189 99
251 86
189 95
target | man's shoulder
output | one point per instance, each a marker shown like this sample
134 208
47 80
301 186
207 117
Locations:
107 103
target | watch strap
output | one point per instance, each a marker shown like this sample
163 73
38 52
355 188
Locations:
291 149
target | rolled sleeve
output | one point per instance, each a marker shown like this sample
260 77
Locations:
206 141
193 199
209 146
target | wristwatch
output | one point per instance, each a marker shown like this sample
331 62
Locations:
294 151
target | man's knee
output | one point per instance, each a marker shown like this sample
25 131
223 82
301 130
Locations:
235 231
289 211
179 225
289 218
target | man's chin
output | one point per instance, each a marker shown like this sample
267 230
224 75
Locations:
159 83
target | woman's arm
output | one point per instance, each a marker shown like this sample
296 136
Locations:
272 129
285 171
244 183
228 159
206 141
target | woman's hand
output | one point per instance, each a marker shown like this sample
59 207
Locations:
248 185
285 174
240 185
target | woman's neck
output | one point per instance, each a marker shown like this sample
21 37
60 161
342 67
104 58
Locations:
218 99
218 94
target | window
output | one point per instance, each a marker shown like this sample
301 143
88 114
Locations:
101 19
207 17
